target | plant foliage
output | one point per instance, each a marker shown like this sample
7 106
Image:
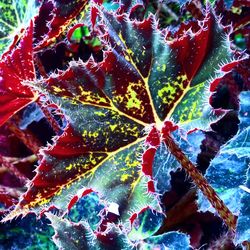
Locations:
119 124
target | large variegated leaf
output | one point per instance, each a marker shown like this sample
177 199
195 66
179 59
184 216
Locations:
14 15
176 73
142 82
228 173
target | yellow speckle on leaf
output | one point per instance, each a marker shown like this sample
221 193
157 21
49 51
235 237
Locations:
133 101
113 127
69 167
124 177
57 89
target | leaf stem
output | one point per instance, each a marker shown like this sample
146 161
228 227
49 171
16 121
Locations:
228 217
26 136
11 167
52 121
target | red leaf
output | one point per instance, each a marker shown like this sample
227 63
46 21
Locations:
15 68
196 47
52 19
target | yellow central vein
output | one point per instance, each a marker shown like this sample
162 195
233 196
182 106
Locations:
128 116
145 80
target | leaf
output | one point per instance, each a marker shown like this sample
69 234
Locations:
242 229
232 163
144 224
80 236
170 240
128 5
110 105
37 234
14 94
53 17
15 15
69 235
177 72
86 207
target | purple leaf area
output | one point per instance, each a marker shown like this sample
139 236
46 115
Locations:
124 124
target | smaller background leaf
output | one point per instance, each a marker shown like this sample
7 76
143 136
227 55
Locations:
170 240
14 16
228 172
26 233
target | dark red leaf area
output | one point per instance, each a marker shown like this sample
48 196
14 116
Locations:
15 68
230 85
152 141
69 145
45 15
115 65
47 185
196 48
195 8
10 105
153 138
90 92
73 202
184 27
52 19
237 19
6 199
147 161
